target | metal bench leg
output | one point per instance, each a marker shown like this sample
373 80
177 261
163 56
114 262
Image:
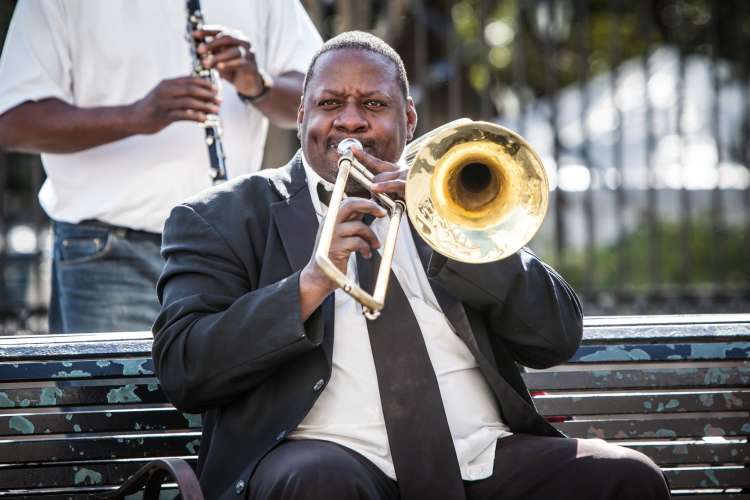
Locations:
152 476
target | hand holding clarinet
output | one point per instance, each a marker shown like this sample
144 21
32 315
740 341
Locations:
216 52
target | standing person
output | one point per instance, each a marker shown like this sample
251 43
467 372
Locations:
101 90
305 399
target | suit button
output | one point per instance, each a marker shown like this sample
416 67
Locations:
319 385
239 487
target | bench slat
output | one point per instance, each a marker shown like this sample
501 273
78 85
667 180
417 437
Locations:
676 453
683 479
604 404
665 329
715 496
643 378
49 347
88 478
661 428
77 368
99 448
166 493
84 392
67 475
665 352
97 421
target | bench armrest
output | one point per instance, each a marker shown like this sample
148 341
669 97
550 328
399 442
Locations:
152 476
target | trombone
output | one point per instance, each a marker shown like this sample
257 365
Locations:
476 192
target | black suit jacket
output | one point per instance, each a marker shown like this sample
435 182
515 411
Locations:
229 341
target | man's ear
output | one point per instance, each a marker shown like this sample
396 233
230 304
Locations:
300 116
411 119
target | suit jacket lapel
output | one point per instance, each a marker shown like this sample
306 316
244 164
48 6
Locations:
295 216
297 225
452 307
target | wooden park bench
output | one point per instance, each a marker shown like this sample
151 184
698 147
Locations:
79 414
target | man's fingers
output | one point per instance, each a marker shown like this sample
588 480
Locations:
395 187
221 43
209 30
205 32
354 244
375 165
354 208
234 53
190 86
229 66
357 228
186 114
391 176
230 59
194 104
183 81
393 183
202 92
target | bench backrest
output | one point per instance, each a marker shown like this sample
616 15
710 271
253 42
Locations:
80 413
678 392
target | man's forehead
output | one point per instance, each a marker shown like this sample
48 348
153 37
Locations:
370 91
356 53
338 67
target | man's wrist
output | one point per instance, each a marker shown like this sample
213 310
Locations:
131 118
315 283
266 83
313 291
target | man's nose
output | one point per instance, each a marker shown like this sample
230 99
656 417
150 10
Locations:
350 119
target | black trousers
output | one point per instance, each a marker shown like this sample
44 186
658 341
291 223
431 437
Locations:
526 467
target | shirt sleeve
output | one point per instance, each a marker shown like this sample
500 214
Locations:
292 37
36 60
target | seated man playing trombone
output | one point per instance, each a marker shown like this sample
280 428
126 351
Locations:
302 395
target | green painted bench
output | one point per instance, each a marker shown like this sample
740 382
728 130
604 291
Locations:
80 414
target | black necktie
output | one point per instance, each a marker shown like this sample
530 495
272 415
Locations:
422 448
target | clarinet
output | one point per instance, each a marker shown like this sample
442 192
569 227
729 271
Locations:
212 125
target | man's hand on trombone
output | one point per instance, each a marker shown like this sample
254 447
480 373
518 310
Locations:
390 178
351 234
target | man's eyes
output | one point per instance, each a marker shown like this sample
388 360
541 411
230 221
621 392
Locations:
374 103
369 103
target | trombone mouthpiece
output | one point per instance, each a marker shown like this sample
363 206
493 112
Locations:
347 145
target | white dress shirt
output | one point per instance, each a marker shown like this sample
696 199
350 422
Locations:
349 413
92 53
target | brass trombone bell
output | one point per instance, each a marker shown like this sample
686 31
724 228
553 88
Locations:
476 192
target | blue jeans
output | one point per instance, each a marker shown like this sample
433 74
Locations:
103 278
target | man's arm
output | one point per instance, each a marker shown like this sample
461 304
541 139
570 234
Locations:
54 126
218 334
281 103
531 307
526 303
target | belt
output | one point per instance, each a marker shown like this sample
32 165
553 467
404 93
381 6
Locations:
121 231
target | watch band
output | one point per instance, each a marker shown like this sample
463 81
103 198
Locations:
267 84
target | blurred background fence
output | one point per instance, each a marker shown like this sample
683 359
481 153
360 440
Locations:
640 110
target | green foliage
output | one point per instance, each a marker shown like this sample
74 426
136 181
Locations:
554 43
686 255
